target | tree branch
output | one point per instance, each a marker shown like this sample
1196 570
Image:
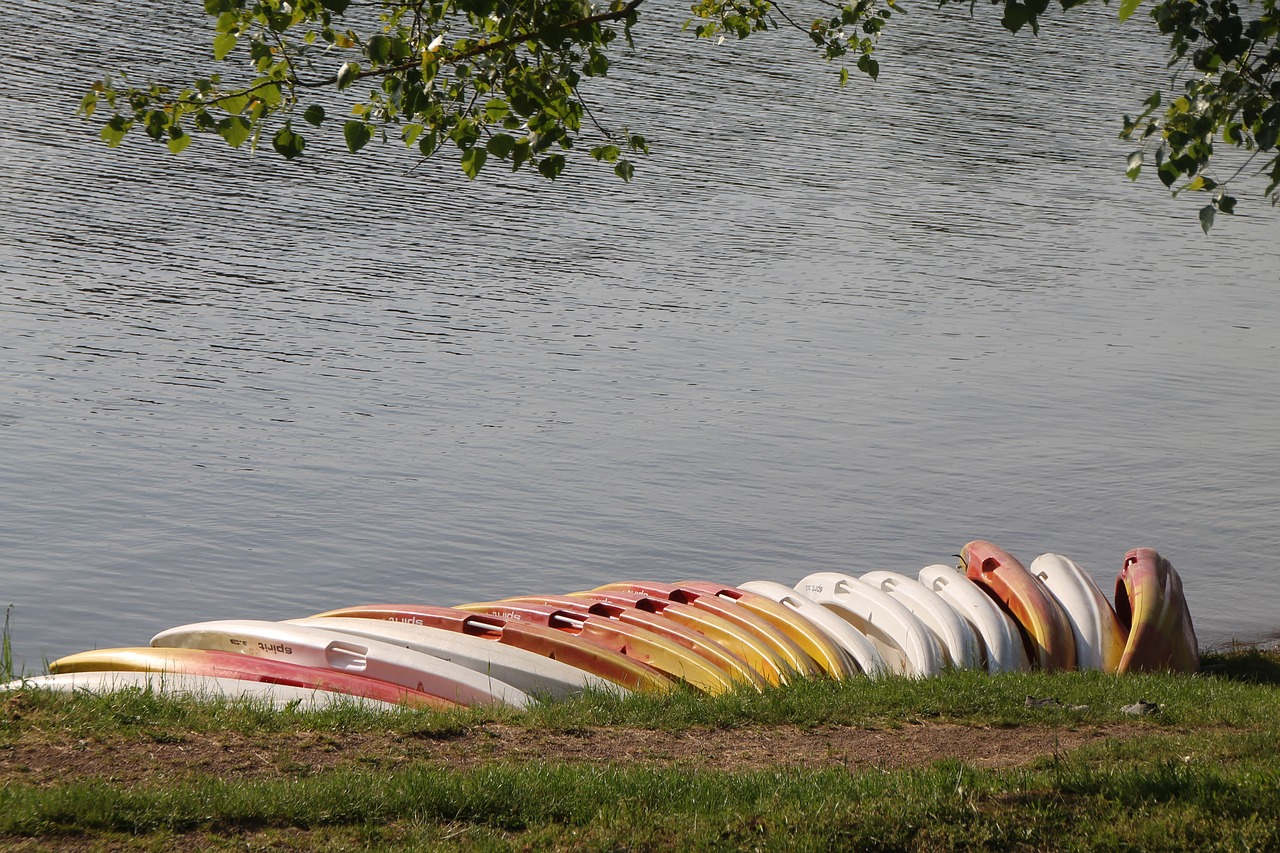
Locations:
488 47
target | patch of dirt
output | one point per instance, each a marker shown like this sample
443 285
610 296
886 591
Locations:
241 756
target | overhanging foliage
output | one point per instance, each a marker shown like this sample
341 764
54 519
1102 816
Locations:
503 80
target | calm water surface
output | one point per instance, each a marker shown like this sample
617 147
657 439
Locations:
821 330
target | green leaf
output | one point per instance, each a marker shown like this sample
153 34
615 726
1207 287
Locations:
234 129
1206 217
114 130
869 66
268 94
357 134
234 104
473 161
844 76
178 140
551 167
88 104
379 49
1134 165
1127 8
624 170
496 110
500 145
287 143
224 44
157 123
314 115
1015 17
522 153
606 153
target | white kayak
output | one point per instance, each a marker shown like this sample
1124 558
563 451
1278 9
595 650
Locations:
849 638
332 650
953 632
905 643
527 671
1099 639
194 686
1001 642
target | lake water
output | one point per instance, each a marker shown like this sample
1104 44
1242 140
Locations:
821 330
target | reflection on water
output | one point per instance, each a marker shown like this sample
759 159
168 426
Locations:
821 331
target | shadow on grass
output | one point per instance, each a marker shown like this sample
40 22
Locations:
1249 664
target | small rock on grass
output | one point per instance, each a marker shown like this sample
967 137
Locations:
1141 708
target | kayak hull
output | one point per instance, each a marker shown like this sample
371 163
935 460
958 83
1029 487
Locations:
1151 605
1000 642
1099 638
1050 643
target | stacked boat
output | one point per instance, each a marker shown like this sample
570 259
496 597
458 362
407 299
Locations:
990 613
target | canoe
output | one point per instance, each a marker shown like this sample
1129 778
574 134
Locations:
340 652
1099 638
1151 606
204 687
203 662
531 673
795 658
635 642
759 655
999 639
1046 633
853 641
695 641
618 669
906 644
833 660
953 632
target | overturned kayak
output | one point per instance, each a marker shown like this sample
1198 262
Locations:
1047 634
999 640
853 641
1099 638
905 643
640 644
951 630
797 661
202 687
760 655
532 673
219 664
593 658
1151 607
339 652
694 641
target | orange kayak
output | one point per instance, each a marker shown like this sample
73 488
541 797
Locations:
1046 631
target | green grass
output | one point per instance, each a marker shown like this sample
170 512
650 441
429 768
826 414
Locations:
1237 690
1204 773
6 650
1138 797
961 697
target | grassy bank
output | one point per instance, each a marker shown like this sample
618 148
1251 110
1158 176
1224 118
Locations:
1202 773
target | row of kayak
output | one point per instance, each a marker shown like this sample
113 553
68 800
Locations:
990 613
